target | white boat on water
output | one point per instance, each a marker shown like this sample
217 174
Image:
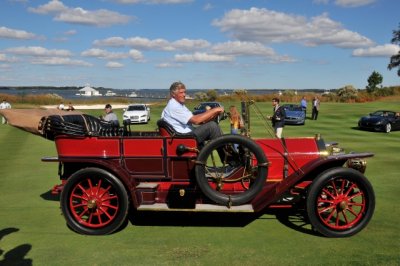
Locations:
110 93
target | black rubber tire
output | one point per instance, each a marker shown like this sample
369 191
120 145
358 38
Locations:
235 199
323 207
109 189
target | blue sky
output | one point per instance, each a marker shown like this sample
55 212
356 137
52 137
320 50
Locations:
225 44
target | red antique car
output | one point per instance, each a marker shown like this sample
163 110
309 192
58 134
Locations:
107 171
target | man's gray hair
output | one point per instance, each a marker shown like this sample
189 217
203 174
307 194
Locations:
175 86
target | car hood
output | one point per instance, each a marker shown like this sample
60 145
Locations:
372 119
294 113
135 113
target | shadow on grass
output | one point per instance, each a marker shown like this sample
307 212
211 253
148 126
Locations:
199 219
50 196
15 256
292 218
295 219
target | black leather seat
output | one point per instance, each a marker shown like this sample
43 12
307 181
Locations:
77 125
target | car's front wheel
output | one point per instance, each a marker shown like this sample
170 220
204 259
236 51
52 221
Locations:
340 202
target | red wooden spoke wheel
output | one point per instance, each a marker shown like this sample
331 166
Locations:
94 202
340 202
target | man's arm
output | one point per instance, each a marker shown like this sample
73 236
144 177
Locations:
206 116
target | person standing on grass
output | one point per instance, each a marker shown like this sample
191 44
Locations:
315 108
278 118
4 105
235 119
303 104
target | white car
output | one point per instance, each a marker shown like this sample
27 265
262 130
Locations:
137 113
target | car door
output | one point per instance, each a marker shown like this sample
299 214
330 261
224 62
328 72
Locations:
396 122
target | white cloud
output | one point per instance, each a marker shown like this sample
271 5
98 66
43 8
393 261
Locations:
242 48
103 54
7 59
267 26
38 51
136 55
153 1
188 45
386 50
114 65
100 18
70 32
202 57
7 33
53 6
168 65
155 44
59 61
354 3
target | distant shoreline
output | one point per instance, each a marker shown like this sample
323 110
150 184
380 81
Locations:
89 106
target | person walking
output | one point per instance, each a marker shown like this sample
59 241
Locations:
278 118
315 108
4 105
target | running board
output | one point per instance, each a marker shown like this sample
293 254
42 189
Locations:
198 208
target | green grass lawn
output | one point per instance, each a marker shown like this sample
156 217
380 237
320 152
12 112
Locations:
32 229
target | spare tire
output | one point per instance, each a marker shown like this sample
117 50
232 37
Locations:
247 164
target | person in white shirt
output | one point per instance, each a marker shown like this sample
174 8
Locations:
4 105
202 126
61 106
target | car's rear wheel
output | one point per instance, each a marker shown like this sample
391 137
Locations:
94 202
340 202
238 177
388 127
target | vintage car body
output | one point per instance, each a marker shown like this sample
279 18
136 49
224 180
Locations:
103 176
381 120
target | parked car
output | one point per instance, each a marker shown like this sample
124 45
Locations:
295 114
106 172
202 107
381 120
137 113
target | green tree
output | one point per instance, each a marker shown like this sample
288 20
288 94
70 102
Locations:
212 95
373 81
200 96
346 93
395 59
